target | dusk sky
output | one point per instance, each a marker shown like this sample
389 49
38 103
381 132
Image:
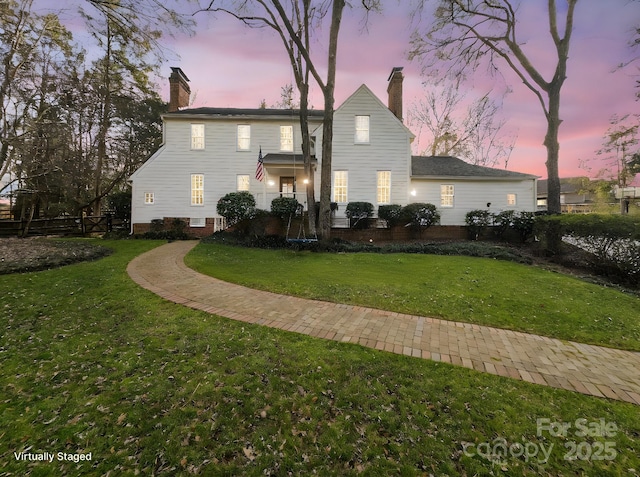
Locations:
231 65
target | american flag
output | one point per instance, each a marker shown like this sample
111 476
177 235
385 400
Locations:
260 167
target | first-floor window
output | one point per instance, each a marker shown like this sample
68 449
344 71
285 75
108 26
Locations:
384 187
197 189
340 180
149 198
511 199
242 182
446 195
197 222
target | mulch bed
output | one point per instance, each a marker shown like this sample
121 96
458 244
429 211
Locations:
30 254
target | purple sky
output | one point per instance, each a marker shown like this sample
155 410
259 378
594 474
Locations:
231 65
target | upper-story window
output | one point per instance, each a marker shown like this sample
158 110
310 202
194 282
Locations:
512 199
244 137
286 138
197 136
362 130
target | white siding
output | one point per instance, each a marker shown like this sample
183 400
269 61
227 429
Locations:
388 149
475 194
168 172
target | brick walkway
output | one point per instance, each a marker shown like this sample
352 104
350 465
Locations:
587 369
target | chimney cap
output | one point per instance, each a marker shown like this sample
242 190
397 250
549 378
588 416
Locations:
396 69
178 72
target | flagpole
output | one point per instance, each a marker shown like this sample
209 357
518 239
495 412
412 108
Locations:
264 184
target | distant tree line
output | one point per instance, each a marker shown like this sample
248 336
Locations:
73 128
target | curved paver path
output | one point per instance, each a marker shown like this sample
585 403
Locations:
587 369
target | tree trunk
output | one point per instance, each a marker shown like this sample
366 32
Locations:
553 147
306 154
327 127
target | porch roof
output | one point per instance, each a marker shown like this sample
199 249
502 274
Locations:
284 159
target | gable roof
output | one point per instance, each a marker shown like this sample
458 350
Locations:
428 167
364 89
242 112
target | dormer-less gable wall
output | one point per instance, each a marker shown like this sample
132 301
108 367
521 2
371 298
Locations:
388 148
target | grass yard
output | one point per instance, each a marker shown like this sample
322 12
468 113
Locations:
475 290
91 363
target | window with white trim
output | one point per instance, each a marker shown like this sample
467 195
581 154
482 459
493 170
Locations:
197 222
242 182
149 198
384 187
244 137
197 189
512 199
362 130
286 138
197 136
446 195
340 183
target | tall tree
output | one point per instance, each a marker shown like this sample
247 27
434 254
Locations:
127 44
29 47
294 20
464 33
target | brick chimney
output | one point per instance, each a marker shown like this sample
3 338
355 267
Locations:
178 90
395 91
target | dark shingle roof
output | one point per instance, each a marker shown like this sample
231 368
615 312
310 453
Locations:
448 166
283 158
235 112
568 185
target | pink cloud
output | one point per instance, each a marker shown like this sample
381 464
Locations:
234 66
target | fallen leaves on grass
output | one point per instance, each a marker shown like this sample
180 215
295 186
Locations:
30 254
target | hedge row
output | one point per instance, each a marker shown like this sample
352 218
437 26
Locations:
613 241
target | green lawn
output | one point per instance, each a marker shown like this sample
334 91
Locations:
90 362
475 290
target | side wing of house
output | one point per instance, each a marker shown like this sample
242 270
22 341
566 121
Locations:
456 187
209 153
371 153
454 197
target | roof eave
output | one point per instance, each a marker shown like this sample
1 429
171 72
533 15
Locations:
475 178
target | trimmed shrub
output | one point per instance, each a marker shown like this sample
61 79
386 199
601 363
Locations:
502 222
391 214
359 213
420 215
236 206
524 224
284 207
477 221
612 240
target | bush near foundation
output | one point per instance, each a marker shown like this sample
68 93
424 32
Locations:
391 214
359 214
236 206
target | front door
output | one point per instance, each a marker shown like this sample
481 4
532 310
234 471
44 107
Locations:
287 187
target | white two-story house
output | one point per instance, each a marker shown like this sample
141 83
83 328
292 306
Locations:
209 152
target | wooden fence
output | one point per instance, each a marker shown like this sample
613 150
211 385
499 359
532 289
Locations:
69 226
